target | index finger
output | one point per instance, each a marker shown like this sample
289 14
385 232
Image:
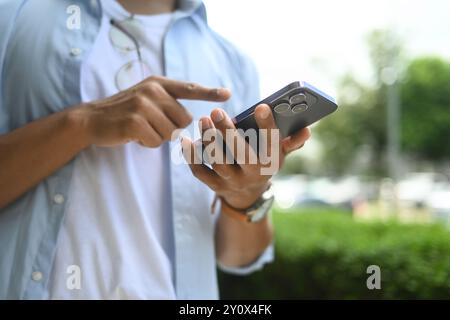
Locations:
192 91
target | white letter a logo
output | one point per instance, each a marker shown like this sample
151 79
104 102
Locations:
374 281
74 20
74 279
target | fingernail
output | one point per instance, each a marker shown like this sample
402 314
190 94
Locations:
217 115
223 91
301 145
204 124
175 135
264 113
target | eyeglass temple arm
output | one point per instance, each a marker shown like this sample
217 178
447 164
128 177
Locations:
129 35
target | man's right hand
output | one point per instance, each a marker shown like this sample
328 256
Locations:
147 113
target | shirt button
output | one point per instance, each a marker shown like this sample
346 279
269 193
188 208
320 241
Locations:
58 198
36 276
75 52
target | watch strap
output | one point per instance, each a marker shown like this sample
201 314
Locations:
233 212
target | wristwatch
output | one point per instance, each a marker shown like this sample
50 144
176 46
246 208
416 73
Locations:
256 212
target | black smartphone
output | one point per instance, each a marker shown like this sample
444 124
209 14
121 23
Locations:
294 107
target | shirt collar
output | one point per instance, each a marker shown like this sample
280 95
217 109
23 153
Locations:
187 8
188 5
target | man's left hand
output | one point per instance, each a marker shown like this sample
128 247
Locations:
239 184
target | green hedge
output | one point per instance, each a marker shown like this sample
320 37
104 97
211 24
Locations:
324 255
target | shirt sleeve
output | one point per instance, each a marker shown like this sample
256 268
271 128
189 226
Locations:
266 257
8 12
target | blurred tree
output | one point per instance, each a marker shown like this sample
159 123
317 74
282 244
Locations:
354 139
426 109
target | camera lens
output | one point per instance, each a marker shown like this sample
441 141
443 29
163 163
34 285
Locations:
302 107
298 98
282 107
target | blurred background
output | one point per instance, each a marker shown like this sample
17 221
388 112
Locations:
372 186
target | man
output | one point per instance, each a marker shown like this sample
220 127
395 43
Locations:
91 205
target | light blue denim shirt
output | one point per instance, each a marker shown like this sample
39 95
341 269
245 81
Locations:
40 61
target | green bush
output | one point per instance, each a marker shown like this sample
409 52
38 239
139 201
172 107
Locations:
324 255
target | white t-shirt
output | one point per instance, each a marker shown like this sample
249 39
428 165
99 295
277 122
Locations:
118 227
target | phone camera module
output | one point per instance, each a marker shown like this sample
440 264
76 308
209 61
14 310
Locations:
282 108
297 99
298 108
